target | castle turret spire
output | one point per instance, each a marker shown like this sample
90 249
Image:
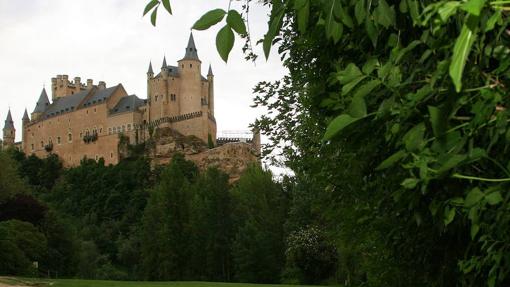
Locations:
210 73
150 68
9 124
164 62
25 116
191 49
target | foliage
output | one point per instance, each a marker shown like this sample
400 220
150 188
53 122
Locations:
260 211
389 71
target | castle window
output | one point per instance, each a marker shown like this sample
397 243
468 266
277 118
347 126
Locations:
182 66
69 137
111 155
58 140
109 131
129 127
32 147
97 157
191 65
114 129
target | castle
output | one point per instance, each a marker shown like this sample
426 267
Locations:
86 120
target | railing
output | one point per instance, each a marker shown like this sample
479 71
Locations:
173 119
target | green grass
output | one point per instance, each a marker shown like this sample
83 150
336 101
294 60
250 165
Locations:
101 283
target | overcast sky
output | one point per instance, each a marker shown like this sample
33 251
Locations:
109 40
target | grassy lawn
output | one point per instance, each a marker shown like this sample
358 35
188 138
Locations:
100 283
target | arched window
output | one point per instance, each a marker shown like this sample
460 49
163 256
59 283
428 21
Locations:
69 137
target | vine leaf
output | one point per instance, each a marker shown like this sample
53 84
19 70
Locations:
473 197
275 23
460 53
449 215
236 22
149 6
473 7
225 42
360 11
154 15
166 4
413 139
384 14
337 125
390 161
494 198
302 8
209 19
334 30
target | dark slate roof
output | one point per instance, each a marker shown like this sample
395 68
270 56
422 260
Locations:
25 116
164 62
65 104
9 124
42 103
150 69
210 73
100 96
173 71
191 49
127 104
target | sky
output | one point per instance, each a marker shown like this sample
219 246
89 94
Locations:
109 40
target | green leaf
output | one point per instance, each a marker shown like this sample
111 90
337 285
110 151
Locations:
451 162
351 85
236 22
275 23
384 14
166 4
302 8
413 139
342 16
367 88
349 74
337 125
334 29
209 19
474 230
149 6
447 10
390 161
370 66
154 15
473 197
225 42
491 23
372 32
360 11
473 7
358 107
449 215
494 198
410 183
414 10
460 54
436 121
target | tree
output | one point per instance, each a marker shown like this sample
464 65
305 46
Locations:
260 212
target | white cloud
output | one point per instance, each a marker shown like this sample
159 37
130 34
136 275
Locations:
109 40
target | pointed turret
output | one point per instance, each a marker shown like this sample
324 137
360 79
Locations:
210 73
164 63
191 50
9 131
25 119
9 124
150 72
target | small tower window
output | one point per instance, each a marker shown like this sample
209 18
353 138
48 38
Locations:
191 65
69 137
58 140
32 147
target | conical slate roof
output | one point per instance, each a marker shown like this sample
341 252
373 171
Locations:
150 69
9 124
191 49
42 103
164 62
25 116
210 73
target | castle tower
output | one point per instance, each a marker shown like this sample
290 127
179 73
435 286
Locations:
41 106
210 99
189 70
9 131
25 121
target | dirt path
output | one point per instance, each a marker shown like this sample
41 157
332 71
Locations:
13 282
